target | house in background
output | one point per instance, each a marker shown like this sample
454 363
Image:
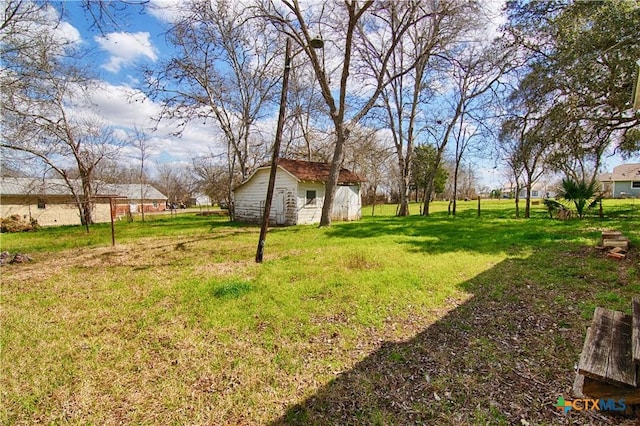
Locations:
135 198
539 190
298 194
201 200
623 182
50 202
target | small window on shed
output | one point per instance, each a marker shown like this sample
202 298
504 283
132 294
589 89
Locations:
311 198
635 184
42 204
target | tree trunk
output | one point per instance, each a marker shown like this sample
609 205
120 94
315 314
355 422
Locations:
427 198
334 173
527 205
86 205
404 189
455 187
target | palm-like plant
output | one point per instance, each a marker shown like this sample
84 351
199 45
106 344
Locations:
584 195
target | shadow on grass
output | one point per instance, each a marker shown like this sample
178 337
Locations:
503 356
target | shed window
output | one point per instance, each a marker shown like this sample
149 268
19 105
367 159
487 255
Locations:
41 204
311 198
635 184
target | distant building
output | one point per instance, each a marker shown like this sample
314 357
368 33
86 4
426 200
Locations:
201 200
299 194
50 201
539 190
623 182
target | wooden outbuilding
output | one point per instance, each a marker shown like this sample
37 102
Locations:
298 195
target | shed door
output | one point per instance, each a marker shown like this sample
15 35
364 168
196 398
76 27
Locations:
279 205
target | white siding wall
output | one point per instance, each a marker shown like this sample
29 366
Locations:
308 214
249 198
289 204
347 204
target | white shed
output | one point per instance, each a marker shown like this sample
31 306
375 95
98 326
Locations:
298 194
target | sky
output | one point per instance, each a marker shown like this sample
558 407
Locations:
117 54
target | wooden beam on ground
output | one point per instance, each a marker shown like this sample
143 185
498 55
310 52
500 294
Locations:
623 244
614 255
606 355
611 235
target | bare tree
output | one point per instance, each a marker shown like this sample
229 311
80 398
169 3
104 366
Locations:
222 71
139 139
475 72
304 136
369 156
46 112
527 145
175 182
356 34
403 99
211 178
115 171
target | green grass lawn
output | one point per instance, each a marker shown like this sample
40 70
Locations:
439 320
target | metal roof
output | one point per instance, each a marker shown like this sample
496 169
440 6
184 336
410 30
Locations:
51 187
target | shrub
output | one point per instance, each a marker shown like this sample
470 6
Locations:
15 223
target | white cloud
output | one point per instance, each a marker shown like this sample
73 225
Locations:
167 10
124 108
125 48
68 33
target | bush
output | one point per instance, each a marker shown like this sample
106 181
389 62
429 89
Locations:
15 223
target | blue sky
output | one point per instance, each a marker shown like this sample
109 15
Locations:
138 38
116 55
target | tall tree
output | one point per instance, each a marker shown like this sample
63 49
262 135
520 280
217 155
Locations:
529 140
580 67
356 34
211 178
369 157
45 109
222 70
405 95
139 139
474 71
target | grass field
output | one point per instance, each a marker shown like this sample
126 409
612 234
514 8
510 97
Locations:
436 320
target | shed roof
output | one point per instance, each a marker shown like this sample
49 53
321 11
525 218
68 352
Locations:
317 172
